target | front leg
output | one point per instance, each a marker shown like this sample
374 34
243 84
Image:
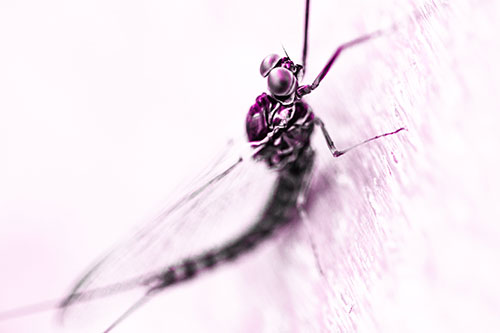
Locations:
307 89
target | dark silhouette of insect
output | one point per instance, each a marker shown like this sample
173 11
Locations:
279 126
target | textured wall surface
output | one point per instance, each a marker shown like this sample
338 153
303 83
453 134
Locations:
411 242
104 106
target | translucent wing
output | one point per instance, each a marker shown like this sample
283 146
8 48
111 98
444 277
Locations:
225 201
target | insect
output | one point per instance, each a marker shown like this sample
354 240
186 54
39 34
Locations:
279 127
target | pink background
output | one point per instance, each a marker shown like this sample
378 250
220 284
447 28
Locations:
106 106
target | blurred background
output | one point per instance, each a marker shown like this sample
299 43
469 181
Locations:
106 106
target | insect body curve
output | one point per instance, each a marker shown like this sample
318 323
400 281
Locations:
279 129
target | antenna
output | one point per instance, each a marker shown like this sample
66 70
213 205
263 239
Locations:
285 51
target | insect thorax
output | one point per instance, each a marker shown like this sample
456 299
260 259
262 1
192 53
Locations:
289 128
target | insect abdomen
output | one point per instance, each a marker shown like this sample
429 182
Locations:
279 211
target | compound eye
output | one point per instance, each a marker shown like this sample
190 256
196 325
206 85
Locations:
268 64
281 82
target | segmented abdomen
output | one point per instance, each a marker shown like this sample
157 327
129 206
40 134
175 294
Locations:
280 210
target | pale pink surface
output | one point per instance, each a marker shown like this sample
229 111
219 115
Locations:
97 99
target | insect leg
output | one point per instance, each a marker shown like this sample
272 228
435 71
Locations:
306 89
335 152
306 34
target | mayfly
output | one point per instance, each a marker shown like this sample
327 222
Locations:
279 126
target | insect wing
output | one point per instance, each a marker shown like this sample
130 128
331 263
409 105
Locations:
226 201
